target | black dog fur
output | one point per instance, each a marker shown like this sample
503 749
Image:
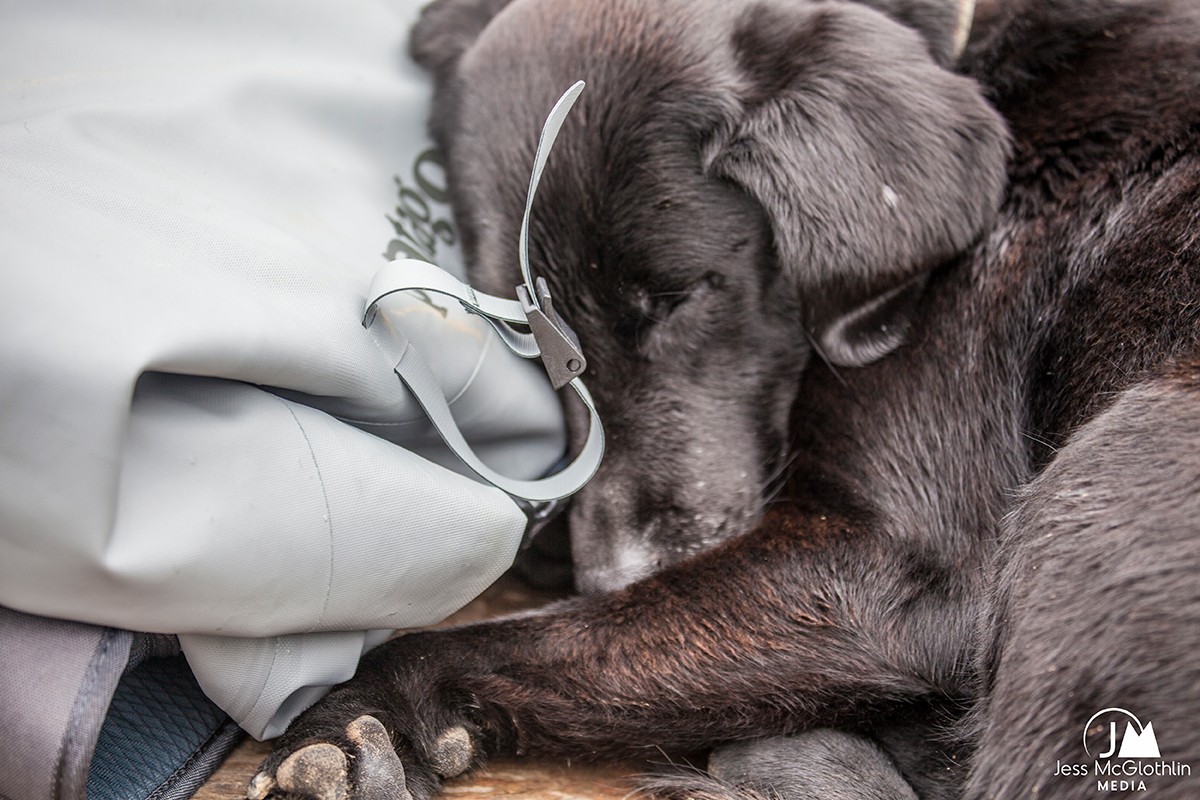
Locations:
985 537
741 180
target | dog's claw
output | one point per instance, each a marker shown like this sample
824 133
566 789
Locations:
379 774
260 787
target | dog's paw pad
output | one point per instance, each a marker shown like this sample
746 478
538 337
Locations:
452 752
317 771
379 775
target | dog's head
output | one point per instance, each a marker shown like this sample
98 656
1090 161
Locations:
741 182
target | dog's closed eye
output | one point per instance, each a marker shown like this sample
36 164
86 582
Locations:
657 320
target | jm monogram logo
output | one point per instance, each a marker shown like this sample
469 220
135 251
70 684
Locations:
1139 743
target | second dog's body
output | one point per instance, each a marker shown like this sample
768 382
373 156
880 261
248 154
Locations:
986 537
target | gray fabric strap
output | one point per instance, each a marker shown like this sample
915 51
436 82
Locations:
549 333
550 129
416 374
412 275
412 368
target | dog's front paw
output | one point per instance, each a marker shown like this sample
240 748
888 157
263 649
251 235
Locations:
362 765
393 732
367 769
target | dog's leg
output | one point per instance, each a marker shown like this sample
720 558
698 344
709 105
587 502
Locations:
1099 607
810 620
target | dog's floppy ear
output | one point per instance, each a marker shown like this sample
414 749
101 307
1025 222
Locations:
873 163
446 29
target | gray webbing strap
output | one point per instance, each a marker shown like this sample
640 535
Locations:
410 274
549 133
549 338
420 380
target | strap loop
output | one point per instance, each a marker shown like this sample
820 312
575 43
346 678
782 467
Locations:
419 378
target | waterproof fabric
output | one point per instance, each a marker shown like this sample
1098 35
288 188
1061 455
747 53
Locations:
197 434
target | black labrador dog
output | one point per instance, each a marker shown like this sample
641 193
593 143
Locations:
897 351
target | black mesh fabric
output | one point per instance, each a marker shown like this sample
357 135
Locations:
162 738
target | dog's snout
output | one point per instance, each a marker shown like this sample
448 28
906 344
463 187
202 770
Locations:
622 530
608 549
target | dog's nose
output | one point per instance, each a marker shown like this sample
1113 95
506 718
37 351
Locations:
608 549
